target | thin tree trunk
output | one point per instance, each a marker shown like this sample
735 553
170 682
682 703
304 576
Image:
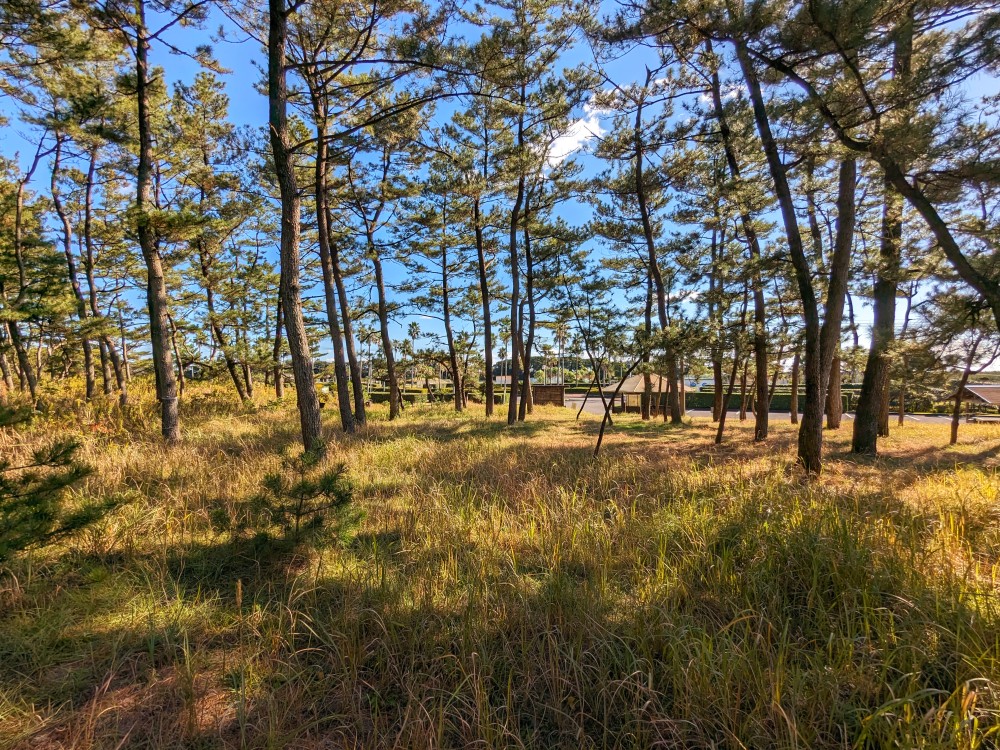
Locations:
26 374
515 301
298 344
717 385
156 288
216 328
181 383
840 262
653 262
529 342
753 243
484 293
682 388
794 401
810 444
353 363
383 326
109 352
902 400
873 400
278 376
834 398
729 394
456 375
326 263
743 392
74 281
956 412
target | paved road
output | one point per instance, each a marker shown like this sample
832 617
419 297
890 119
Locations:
594 407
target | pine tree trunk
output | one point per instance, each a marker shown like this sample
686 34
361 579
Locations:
515 280
383 326
8 379
74 281
682 388
456 375
326 263
729 394
298 344
181 383
871 415
753 242
743 393
794 401
109 353
834 398
810 444
156 287
529 342
278 375
484 293
28 377
717 385
353 363
956 412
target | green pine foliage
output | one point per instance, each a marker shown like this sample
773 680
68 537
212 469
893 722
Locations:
33 495
300 504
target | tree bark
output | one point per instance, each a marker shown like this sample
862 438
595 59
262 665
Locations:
353 363
484 293
298 344
729 394
871 415
834 398
515 301
108 350
753 243
810 444
840 263
326 263
793 406
529 342
156 287
456 375
653 262
74 281
278 376
383 327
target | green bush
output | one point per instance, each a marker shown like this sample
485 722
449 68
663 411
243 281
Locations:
304 504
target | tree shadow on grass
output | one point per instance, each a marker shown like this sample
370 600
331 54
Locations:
688 642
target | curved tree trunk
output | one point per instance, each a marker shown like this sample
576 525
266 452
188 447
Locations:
156 287
74 281
307 399
810 444
326 263
753 243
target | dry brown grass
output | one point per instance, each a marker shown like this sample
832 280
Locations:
507 590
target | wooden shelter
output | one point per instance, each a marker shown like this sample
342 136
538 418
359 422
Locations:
984 394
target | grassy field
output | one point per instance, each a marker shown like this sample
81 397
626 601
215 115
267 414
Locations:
504 589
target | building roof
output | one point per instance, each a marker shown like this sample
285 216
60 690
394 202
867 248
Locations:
982 393
637 384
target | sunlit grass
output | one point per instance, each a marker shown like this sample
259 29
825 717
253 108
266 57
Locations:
507 590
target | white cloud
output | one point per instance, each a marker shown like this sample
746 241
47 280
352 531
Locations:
577 135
